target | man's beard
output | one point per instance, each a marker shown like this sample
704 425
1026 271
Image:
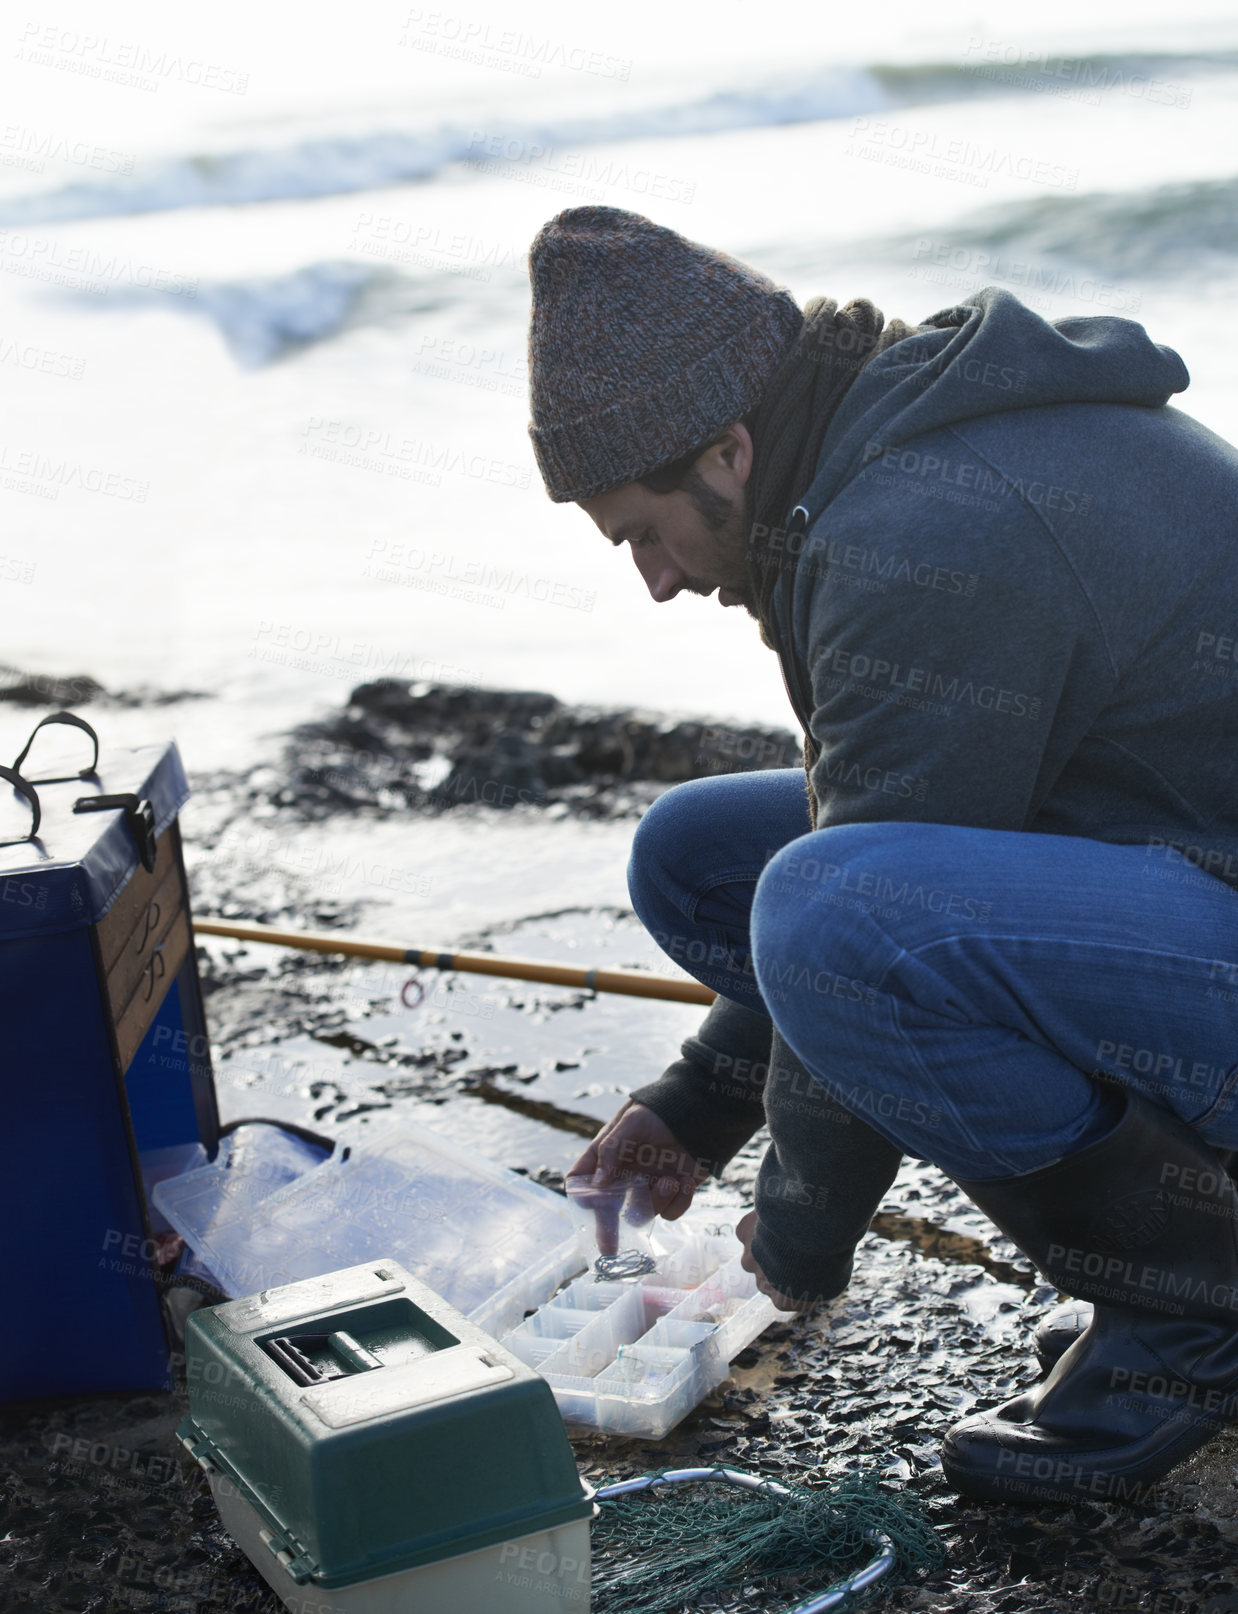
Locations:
723 515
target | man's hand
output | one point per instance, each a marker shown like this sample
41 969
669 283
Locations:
636 1143
745 1230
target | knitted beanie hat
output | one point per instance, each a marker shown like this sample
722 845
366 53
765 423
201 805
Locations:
642 345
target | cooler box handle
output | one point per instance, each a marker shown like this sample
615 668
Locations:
24 788
73 721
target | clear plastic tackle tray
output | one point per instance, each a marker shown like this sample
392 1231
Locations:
632 1356
635 1357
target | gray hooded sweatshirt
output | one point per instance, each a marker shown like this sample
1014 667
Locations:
1014 606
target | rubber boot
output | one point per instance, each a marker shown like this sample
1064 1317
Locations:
1061 1327
1144 1223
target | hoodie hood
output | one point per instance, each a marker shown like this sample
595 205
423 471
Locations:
987 356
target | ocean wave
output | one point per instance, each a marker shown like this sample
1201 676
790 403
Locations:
341 164
1160 230
266 319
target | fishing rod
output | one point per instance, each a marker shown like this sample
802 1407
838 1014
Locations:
631 983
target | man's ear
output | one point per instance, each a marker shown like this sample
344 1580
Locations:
735 452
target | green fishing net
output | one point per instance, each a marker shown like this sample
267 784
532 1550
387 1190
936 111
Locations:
713 1531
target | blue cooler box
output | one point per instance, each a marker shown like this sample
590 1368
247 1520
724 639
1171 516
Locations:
106 1063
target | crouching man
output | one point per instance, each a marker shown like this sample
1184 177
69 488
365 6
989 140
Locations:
994 923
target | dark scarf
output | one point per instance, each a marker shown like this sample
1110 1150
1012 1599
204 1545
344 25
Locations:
832 348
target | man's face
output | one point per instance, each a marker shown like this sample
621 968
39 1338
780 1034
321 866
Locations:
694 538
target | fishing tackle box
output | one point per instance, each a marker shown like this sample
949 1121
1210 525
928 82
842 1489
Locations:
631 1356
374 1452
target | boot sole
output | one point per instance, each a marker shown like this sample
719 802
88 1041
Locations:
1074 1479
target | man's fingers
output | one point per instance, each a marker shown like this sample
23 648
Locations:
587 1164
744 1230
606 1226
786 1302
678 1198
609 1146
603 1153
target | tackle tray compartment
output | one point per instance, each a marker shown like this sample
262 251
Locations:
634 1357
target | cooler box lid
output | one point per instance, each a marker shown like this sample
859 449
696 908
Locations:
373 1427
74 870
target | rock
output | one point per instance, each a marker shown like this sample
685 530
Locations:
45 689
437 746
50 689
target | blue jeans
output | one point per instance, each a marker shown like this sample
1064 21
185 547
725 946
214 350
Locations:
972 994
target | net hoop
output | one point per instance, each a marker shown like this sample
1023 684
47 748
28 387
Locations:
858 1581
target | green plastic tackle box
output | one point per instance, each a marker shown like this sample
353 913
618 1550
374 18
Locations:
372 1449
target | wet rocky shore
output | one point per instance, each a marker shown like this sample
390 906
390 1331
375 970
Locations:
101 1511
437 747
